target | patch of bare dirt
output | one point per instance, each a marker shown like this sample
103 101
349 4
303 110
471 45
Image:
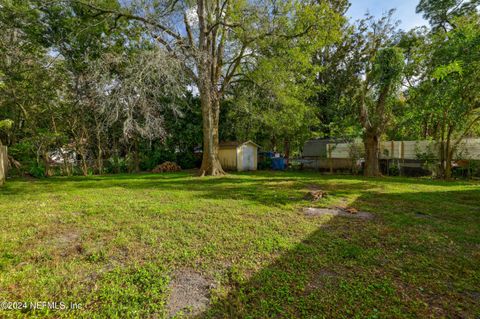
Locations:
67 242
189 293
350 213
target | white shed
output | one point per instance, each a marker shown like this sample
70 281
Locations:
238 156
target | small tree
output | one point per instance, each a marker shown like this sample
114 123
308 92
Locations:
447 96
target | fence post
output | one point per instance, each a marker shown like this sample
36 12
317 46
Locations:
402 156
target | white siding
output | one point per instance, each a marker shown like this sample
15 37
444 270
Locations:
469 149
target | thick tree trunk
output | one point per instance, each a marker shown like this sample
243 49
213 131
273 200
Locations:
66 167
372 167
210 116
47 164
448 166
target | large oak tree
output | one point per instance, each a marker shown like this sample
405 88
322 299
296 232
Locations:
213 38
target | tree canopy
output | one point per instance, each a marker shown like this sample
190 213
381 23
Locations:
125 85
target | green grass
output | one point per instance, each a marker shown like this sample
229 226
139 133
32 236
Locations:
112 243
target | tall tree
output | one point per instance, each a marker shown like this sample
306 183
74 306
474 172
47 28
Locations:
376 101
337 80
29 79
442 13
381 69
212 38
448 91
272 103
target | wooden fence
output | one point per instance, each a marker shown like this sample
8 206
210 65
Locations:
3 164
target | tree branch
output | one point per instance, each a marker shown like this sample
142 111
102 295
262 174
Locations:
231 68
129 16
188 29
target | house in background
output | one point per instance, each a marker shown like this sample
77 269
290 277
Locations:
236 156
411 158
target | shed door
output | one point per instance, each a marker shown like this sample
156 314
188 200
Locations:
248 159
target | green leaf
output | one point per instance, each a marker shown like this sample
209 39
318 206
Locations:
443 71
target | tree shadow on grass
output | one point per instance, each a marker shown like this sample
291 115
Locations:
415 259
274 189
400 264
271 189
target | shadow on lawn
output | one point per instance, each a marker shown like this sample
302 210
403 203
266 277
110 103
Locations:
371 268
265 188
271 189
402 263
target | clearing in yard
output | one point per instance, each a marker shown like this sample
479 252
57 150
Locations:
239 246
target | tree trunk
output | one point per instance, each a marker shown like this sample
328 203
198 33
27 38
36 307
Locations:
136 157
210 115
66 168
448 155
100 160
99 152
47 164
372 167
448 165
443 162
115 156
84 164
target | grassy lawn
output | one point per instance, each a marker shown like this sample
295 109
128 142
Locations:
115 243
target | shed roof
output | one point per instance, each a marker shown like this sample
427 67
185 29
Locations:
235 144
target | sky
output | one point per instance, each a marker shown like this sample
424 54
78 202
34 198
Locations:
405 11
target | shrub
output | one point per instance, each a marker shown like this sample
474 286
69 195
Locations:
394 170
265 164
37 170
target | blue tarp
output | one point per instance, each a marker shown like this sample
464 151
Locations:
278 163
269 154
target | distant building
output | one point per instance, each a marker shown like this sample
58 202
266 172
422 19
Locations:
407 156
237 156
318 147
317 154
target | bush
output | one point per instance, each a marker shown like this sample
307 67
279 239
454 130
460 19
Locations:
37 170
187 160
394 170
116 165
155 157
295 165
265 164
